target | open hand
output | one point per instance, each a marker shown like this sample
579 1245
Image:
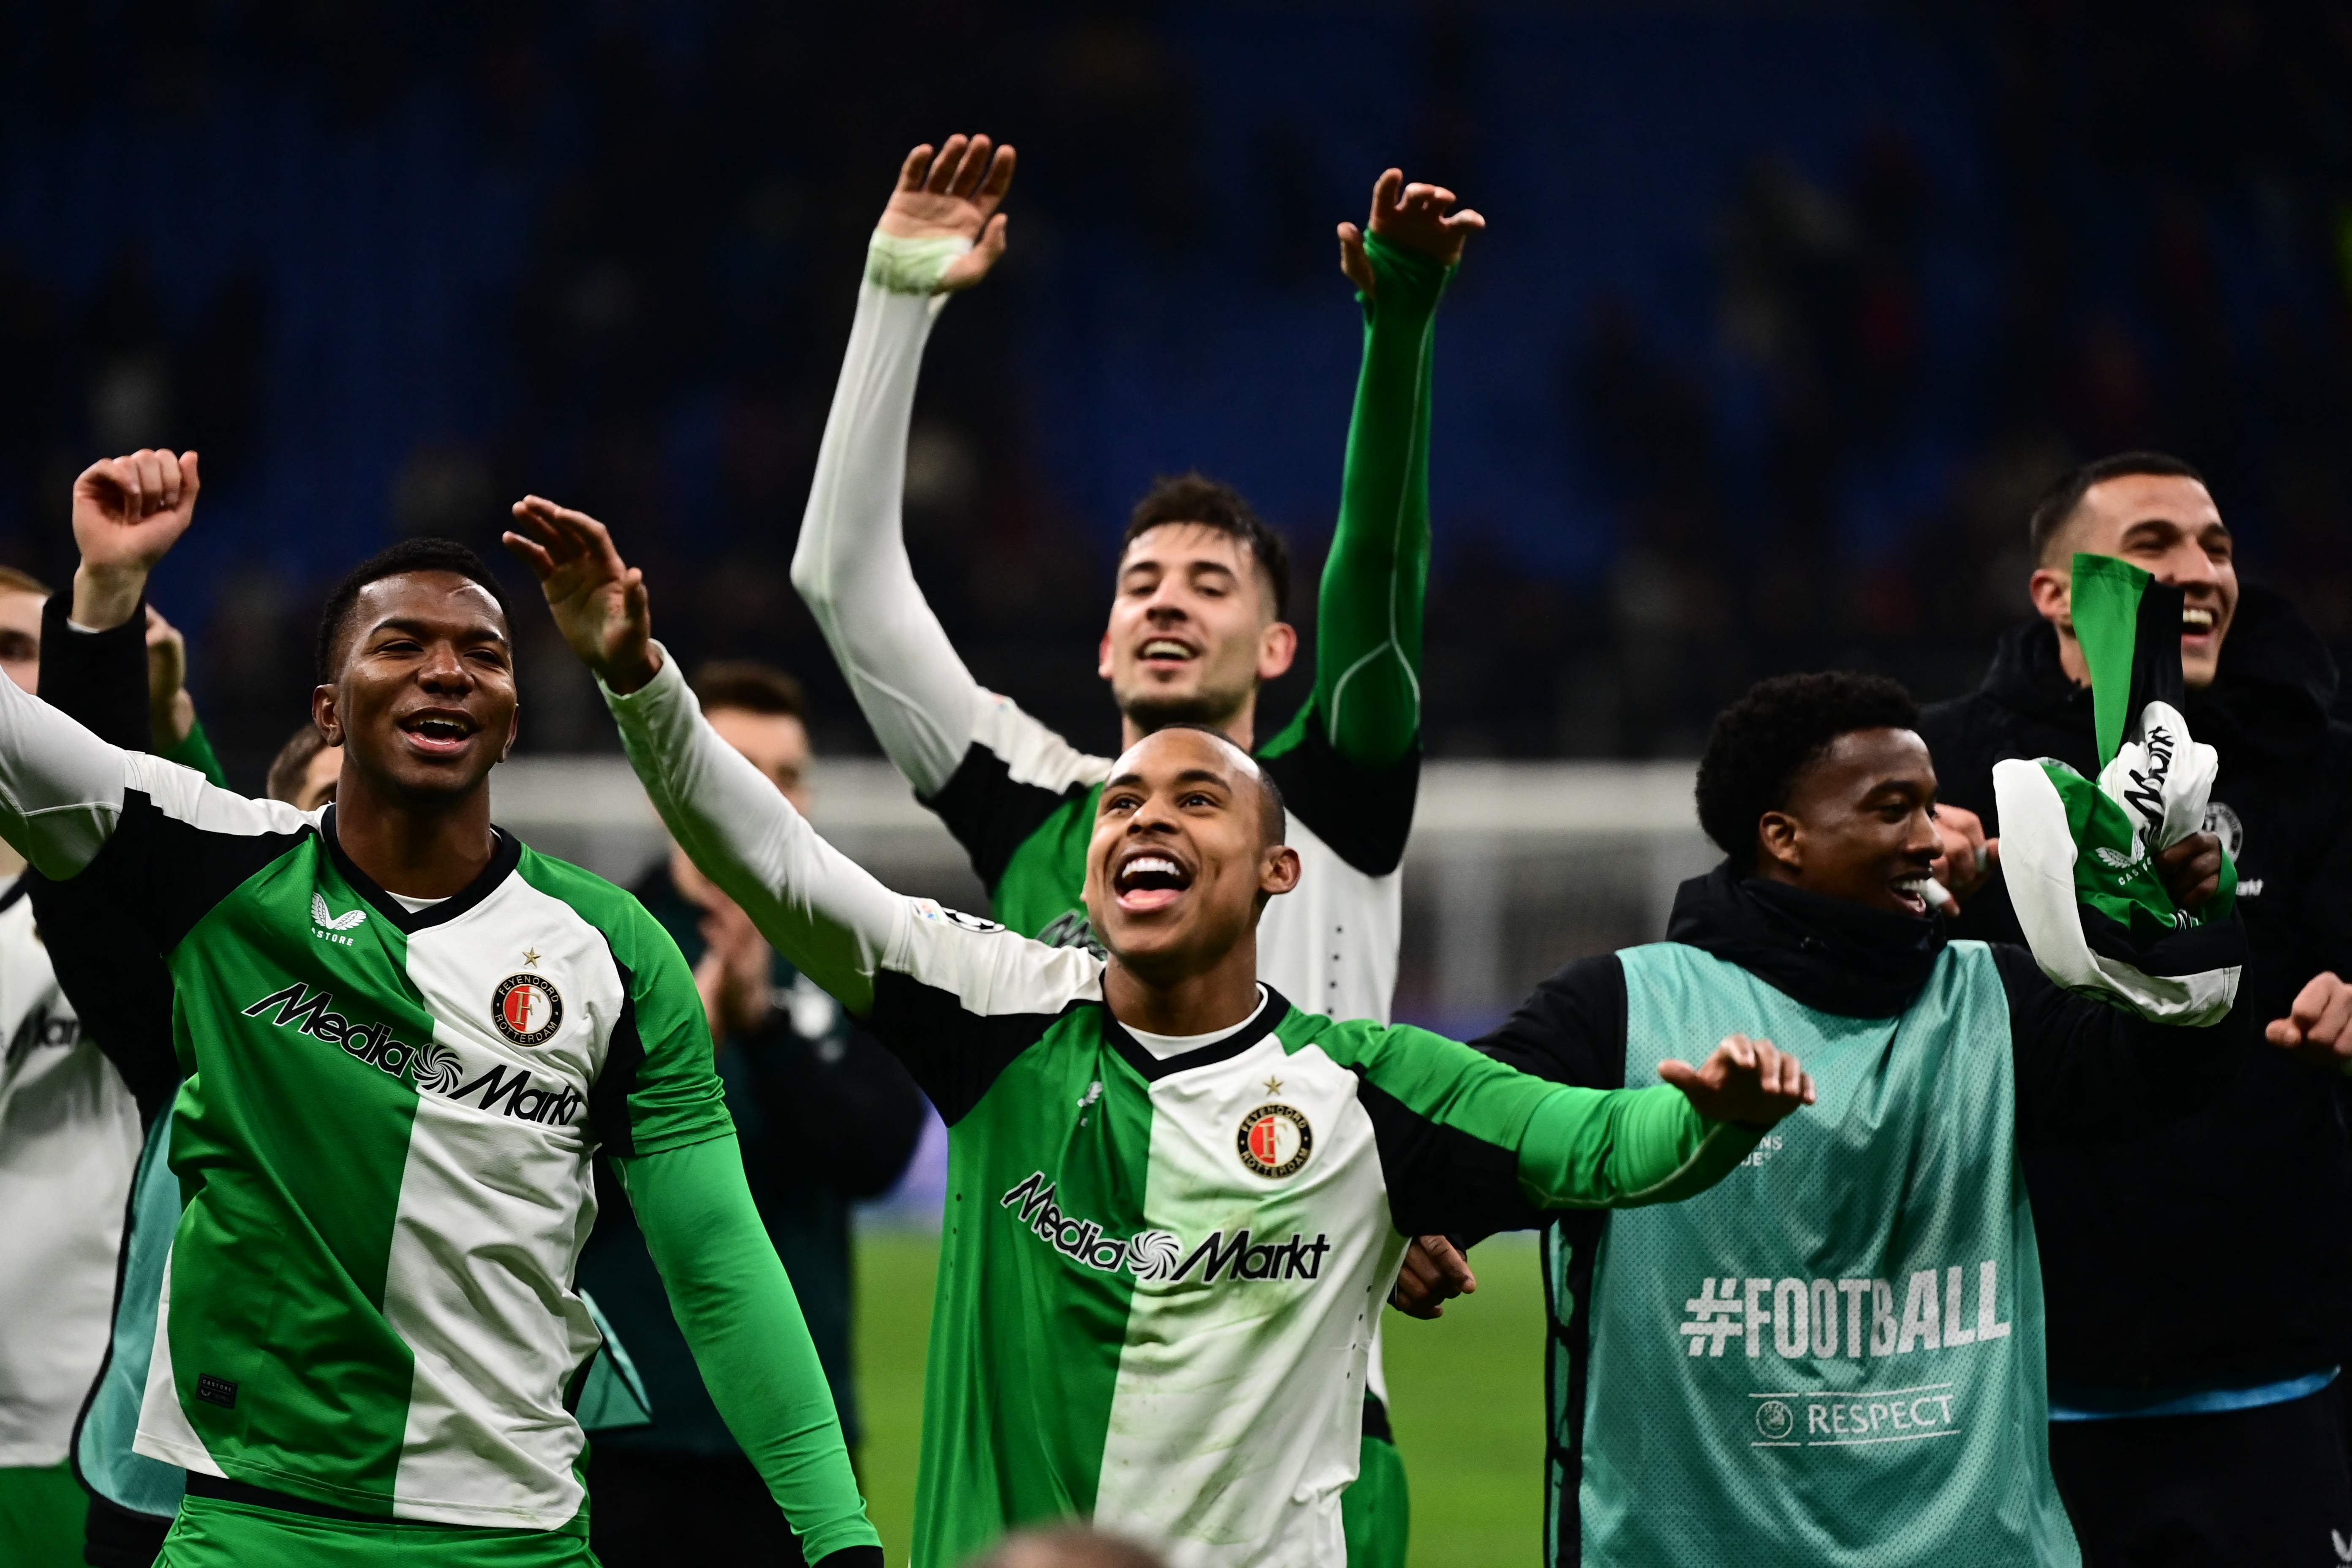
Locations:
2318 1027
128 512
2191 871
1747 1081
1435 1272
953 196
1411 217
598 602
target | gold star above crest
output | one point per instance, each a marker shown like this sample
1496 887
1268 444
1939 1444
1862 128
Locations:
530 958
1273 1085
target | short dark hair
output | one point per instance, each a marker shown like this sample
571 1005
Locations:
1777 728
408 555
749 687
1212 503
2059 502
291 765
1273 814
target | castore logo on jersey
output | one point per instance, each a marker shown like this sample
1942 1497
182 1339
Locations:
328 925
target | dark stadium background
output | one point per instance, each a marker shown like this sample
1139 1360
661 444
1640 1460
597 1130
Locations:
1785 310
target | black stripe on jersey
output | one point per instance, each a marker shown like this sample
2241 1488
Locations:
99 678
1365 815
1441 1180
991 814
625 1058
17 890
1568 1361
164 875
506 853
953 1055
1153 1069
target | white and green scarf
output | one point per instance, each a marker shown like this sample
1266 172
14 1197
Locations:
2079 855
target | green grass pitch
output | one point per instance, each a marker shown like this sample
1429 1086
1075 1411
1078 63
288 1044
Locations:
1467 1395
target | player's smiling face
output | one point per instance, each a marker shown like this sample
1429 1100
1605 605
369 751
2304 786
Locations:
1183 858
2168 526
425 699
1192 629
1859 824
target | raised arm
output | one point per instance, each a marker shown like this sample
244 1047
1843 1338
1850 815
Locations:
823 912
1376 578
61 786
940 232
1472 1145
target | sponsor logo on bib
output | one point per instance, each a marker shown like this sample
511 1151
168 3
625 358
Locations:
527 1008
1275 1140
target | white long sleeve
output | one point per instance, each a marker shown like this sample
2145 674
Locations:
828 915
851 564
61 787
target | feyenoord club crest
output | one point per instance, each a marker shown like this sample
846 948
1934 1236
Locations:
1274 1141
526 1008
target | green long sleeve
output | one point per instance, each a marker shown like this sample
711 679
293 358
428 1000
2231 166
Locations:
1625 1148
195 751
1376 578
737 1309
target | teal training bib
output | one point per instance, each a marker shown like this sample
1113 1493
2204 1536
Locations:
1835 1356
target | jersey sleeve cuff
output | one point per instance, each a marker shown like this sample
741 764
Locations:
655 696
1408 280
901 266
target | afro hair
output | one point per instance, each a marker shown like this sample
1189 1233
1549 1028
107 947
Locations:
1762 742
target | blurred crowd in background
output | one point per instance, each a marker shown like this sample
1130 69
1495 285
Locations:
1785 313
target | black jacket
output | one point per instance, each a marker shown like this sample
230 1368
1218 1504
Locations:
2084 1070
2218 1248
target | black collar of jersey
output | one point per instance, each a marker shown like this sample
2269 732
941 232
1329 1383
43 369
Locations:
505 855
1154 1068
17 890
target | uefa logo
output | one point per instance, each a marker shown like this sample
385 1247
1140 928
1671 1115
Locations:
1774 1420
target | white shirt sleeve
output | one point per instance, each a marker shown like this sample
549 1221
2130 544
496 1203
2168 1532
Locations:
851 564
829 916
61 787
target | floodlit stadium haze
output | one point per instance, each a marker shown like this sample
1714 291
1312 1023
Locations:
1783 316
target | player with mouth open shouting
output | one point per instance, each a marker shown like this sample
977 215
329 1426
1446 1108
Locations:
1198 622
1175 1199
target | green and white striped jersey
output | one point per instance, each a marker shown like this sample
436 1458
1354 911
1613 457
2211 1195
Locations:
69 1141
382 1143
1160 1259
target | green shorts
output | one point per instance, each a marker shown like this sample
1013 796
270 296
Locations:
41 1514
213 1533
1376 1510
